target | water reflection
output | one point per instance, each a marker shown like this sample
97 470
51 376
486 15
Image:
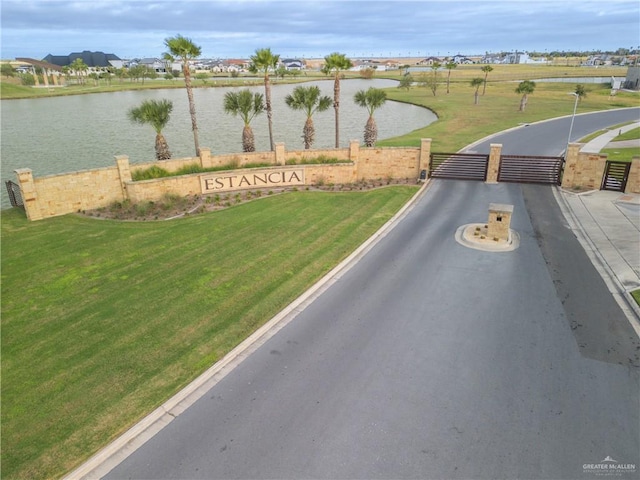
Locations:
62 134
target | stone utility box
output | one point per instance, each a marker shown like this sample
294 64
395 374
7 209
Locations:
499 223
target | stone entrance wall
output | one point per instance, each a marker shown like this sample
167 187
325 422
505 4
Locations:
55 195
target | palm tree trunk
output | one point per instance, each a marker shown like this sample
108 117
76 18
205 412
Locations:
336 106
523 103
370 132
248 141
192 107
308 133
162 148
267 94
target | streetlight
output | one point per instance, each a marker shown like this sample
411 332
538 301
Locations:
575 106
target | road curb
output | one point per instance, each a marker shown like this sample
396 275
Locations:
126 444
624 299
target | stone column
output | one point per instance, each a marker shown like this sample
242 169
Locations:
124 172
571 165
354 155
425 157
633 182
494 163
499 221
280 154
205 158
29 194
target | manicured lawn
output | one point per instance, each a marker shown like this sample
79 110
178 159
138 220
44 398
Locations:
624 154
102 320
460 121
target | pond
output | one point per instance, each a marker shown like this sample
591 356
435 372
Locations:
63 134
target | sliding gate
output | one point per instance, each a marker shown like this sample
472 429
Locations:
530 169
459 166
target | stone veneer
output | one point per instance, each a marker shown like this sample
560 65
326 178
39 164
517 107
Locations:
55 195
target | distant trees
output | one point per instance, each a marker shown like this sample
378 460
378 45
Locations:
581 91
247 105
431 80
7 70
406 81
476 82
185 50
155 113
335 63
309 100
525 88
450 65
80 69
486 69
371 99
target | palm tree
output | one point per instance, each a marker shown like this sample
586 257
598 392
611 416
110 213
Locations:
450 65
80 68
262 62
486 69
184 49
476 82
581 91
334 63
309 100
525 88
155 113
247 106
372 99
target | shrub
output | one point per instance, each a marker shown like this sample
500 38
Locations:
150 173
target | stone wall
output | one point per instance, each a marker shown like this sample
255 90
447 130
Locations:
89 189
585 170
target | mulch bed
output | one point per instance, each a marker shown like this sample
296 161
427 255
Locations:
175 206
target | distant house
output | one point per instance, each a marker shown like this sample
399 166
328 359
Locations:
461 60
429 61
92 59
159 66
293 64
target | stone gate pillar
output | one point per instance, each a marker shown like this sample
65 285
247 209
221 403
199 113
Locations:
29 194
494 163
425 157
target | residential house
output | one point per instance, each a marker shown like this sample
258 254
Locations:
94 60
293 64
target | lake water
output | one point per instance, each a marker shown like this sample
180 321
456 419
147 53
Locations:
63 134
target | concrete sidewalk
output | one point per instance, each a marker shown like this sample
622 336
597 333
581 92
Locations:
608 226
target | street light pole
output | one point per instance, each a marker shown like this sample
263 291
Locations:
575 107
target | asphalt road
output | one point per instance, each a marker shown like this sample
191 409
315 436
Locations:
429 360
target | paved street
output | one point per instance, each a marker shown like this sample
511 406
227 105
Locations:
426 360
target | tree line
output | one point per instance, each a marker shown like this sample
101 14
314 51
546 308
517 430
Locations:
248 105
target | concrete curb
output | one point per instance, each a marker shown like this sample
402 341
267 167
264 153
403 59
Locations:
118 450
624 299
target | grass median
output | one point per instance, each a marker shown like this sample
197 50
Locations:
102 320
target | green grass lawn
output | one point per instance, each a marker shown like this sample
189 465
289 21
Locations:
460 121
102 320
624 154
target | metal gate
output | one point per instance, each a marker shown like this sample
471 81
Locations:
530 169
15 197
459 166
615 176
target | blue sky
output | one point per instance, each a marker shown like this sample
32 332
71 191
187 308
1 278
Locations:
310 28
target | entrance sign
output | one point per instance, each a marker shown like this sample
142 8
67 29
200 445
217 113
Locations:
223 182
